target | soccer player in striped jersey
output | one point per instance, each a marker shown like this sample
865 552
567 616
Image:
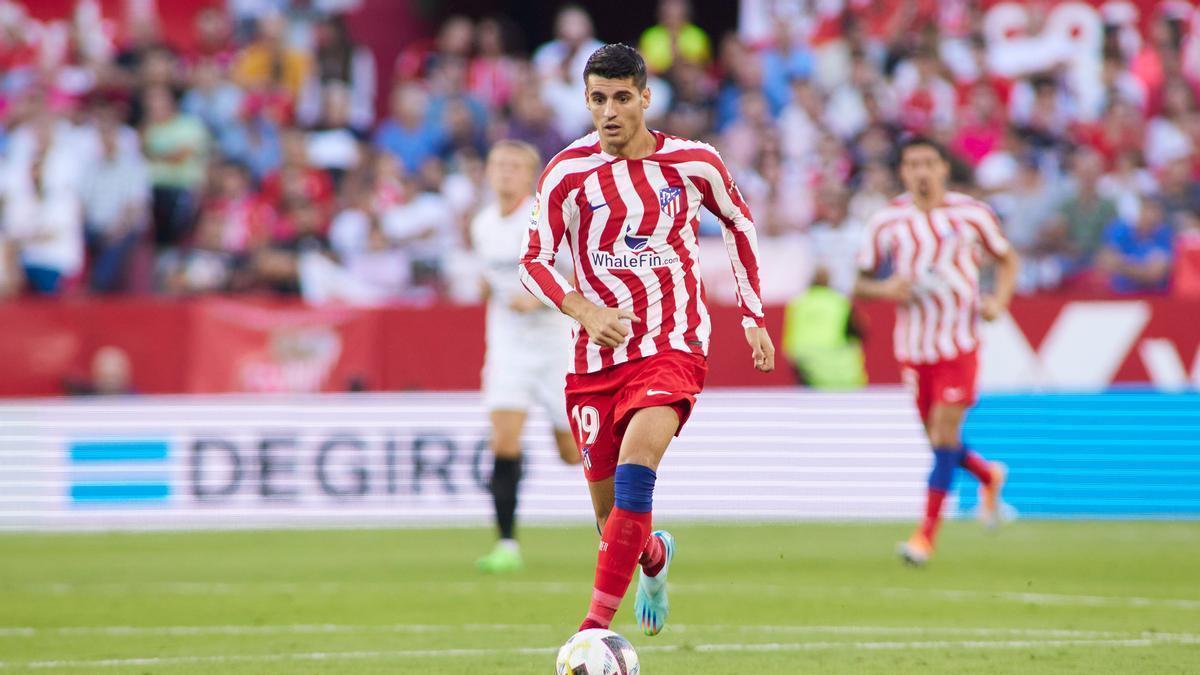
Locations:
625 200
527 343
934 240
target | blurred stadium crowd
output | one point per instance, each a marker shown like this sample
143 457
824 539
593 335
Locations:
267 158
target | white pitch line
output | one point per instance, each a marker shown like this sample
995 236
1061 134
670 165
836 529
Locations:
283 629
941 644
307 629
566 587
914 630
1050 598
721 647
250 658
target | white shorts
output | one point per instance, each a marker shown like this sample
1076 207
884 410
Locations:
523 369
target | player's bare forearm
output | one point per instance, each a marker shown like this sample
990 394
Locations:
865 288
992 306
761 348
605 326
894 288
576 306
1006 276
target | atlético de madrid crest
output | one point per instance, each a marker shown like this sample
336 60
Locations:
670 200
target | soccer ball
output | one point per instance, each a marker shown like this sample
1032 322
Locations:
596 651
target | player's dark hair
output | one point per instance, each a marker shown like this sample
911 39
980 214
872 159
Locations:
917 140
617 62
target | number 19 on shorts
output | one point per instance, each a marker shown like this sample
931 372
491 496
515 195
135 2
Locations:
587 423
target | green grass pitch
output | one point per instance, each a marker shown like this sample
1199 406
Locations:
1039 597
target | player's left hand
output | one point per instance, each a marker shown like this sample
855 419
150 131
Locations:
990 308
763 350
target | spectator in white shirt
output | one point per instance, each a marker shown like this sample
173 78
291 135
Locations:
836 237
115 195
367 270
565 56
560 65
42 213
422 230
1166 135
334 145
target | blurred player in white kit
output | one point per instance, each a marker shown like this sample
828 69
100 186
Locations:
528 344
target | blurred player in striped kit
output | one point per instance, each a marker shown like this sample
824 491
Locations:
528 344
934 240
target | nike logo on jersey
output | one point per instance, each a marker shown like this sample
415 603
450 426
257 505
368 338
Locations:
597 206
656 392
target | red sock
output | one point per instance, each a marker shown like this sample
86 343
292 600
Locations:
654 556
978 466
621 545
933 513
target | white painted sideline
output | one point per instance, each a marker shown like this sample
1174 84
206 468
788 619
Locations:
224 588
282 629
308 629
704 647
1053 598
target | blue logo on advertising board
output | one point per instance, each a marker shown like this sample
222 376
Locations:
111 472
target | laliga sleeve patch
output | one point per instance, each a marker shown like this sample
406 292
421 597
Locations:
534 213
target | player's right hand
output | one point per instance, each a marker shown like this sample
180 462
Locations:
761 349
606 327
897 289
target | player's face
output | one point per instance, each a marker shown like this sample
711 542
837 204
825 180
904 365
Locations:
510 172
618 108
923 171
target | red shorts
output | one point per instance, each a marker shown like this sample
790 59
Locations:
950 382
600 404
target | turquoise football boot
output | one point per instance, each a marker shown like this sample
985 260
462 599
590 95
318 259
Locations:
651 607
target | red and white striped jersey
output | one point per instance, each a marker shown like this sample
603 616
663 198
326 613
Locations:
632 225
939 253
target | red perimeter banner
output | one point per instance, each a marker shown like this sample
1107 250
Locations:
270 349
221 345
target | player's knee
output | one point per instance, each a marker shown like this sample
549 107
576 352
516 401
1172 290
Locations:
944 427
945 433
648 435
506 445
937 437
